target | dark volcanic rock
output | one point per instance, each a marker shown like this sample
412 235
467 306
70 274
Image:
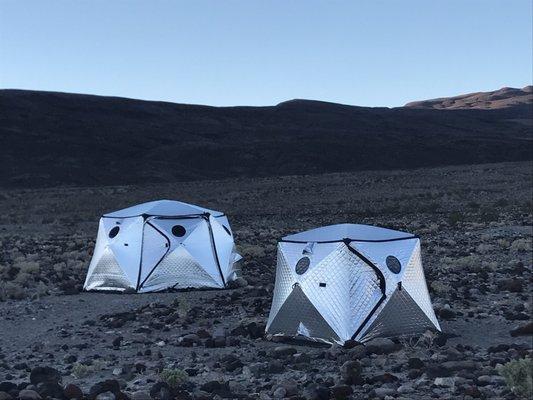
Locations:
283 351
44 375
72 391
317 392
351 372
512 285
341 392
216 387
523 330
381 346
110 385
27 394
161 391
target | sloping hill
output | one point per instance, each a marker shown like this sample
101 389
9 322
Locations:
53 139
498 99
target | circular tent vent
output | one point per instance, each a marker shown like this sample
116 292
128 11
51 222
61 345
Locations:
114 232
302 265
393 264
178 231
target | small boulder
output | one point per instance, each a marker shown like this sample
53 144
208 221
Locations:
44 375
106 396
381 346
513 285
110 385
141 395
72 391
341 392
523 330
447 381
26 394
415 363
284 351
217 387
351 372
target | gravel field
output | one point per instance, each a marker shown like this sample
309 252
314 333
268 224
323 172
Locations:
475 223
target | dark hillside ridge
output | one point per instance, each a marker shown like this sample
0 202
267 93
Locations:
56 139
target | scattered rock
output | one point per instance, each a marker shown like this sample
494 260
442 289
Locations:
381 346
141 395
44 375
283 351
351 372
72 391
26 394
523 330
445 382
341 392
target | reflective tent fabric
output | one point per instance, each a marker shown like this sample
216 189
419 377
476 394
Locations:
162 208
352 282
347 231
160 245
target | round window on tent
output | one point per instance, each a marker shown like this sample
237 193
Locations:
178 230
302 265
226 229
393 264
114 232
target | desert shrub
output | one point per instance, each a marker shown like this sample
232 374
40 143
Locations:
501 202
484 248
11 290
40 289
488 215
440 288
518 375
455 217
28 267
431 208
82 370
423 342
23 278
183 308
251 251
521 245
173 376
473 205
469 262
503 243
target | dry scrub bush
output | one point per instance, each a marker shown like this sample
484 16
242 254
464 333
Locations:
521 245
440 288
423 342
11 291
518 375
174 377
251 251
27 267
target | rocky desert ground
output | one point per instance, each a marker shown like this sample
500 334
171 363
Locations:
59 342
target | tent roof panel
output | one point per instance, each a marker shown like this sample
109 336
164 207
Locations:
166 208
354 232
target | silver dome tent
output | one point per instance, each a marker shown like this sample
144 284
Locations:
162 245
350 281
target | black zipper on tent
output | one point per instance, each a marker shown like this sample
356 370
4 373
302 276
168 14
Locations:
140 259
350 240
372 312
382 285
161 259
206 216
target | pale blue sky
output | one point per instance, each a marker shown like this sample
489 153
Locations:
246 52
